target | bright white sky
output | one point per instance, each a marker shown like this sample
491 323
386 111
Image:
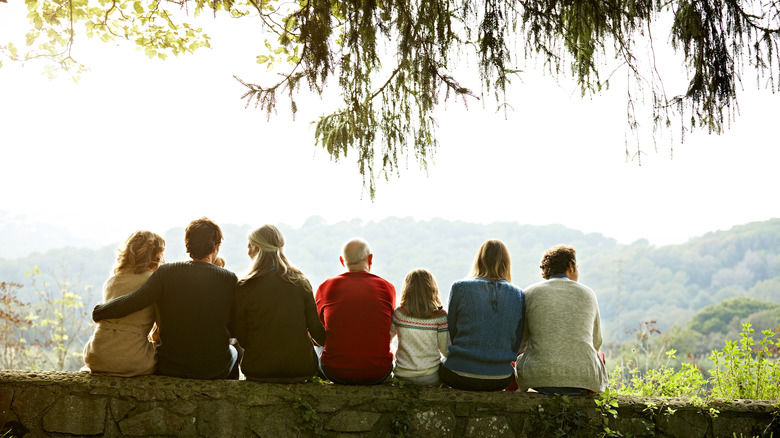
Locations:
154 144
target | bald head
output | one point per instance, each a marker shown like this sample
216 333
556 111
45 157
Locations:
356 255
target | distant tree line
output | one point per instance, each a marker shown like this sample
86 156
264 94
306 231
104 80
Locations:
669 285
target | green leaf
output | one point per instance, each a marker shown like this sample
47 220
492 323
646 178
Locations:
262 59
139 9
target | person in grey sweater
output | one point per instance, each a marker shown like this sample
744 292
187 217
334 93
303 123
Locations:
562 333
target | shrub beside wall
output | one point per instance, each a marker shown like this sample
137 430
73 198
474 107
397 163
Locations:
60 404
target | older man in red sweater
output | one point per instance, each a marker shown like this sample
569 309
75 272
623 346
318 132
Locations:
356 309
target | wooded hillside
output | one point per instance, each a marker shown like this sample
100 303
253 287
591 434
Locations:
634 283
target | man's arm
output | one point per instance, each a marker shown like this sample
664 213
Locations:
139 299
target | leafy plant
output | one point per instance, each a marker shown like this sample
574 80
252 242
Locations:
401 422
607 405
663 381
560 419
308 419
745 370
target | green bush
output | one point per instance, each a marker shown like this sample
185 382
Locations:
743 369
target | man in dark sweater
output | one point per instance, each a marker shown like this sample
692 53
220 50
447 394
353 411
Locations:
194 301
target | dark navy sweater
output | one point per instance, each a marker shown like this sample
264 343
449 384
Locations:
485 320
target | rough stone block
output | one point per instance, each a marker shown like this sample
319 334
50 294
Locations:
353 421
220 418
183 407
157 421
261 399
6 395
120 408
636 427
462 409
489 427
29 405
68 416
433 423
275 422
684 424
329 405
723 427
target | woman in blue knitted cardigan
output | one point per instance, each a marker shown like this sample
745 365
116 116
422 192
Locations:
485 320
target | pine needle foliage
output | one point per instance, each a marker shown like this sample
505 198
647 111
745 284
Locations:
396 61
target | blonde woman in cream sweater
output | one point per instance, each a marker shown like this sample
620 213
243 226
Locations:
122 346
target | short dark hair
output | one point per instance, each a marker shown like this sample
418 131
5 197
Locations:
201 237
557 260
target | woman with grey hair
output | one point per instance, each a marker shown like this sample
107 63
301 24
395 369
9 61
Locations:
275 318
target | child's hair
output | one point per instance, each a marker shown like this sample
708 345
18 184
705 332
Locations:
219 261
420 295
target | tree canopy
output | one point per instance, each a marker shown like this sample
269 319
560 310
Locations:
394 61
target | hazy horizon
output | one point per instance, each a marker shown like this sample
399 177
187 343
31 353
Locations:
62 237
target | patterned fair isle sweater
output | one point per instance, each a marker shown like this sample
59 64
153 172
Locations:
421 343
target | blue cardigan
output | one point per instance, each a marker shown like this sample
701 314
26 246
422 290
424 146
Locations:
485 319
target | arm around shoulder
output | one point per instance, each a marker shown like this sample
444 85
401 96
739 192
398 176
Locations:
139 299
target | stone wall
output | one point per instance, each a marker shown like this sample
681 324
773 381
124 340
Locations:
67 404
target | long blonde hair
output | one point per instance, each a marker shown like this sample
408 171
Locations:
420 295
140 253
268 242
492 261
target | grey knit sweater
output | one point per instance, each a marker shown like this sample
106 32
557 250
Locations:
562 337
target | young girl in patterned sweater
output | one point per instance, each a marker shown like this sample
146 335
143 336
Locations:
421 325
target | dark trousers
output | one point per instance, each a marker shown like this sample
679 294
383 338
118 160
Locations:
450 378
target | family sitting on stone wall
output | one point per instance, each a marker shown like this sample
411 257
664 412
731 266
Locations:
197 320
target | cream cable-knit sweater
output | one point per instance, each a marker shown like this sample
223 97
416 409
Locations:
119 346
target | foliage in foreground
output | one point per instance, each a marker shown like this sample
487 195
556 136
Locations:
743 369
396 60
48 334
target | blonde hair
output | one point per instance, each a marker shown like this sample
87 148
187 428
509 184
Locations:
140 253
268 243
420 295
492 261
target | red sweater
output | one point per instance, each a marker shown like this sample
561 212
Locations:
356 309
